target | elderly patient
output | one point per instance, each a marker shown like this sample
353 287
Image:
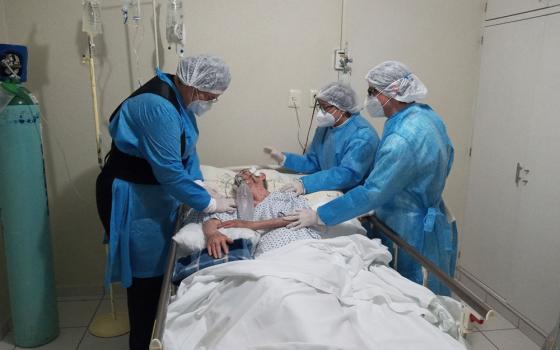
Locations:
269 212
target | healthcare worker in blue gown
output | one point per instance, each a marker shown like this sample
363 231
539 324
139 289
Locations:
151 169
343 149
411 166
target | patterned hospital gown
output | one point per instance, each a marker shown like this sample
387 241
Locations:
275 205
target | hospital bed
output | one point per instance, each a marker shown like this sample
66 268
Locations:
473 308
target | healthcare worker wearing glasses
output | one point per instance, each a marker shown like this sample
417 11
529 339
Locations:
343 149
411 167
151 169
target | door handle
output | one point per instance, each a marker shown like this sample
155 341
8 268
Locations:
518 174
519 171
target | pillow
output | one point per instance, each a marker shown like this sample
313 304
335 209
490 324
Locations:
219 178
346 228
276 179
240 249
190 238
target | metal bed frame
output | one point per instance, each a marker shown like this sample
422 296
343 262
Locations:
473 306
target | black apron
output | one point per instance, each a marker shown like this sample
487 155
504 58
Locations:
119 165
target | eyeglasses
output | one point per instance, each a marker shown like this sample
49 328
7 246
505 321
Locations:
207 96
372 91
325 107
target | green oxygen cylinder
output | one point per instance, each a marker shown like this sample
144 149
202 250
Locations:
24 220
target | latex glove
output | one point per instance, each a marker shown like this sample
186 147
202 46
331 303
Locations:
220 205
278 156
303 218
294 186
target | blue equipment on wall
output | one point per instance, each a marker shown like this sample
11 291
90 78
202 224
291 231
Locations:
24 217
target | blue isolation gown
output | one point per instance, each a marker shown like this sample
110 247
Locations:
405 188
143 216
339 158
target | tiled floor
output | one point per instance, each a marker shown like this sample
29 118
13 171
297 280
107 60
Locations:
75 315
499 334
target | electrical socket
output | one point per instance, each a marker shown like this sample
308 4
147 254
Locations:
294 99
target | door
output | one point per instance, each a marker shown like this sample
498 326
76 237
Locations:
537 241
500 8
504 105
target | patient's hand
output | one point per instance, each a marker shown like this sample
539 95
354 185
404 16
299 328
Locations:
238 223
216 242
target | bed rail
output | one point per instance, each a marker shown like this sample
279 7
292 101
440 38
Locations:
159 325
474 302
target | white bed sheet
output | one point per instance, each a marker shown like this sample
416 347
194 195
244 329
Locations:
313 294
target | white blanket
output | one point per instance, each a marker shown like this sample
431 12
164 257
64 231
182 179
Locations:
312 294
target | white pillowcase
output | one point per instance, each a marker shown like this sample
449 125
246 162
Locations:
219 178
191 238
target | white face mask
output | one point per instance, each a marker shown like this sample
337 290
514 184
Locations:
199 107
325 119
374 107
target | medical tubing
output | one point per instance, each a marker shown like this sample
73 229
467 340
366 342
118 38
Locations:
299 128
309 129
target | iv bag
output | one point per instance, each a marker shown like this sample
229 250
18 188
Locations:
174 24
131 10
244 202
91 17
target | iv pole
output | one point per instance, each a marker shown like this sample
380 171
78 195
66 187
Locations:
115 323
91 47
155 33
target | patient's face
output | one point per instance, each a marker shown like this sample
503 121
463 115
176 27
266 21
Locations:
255 182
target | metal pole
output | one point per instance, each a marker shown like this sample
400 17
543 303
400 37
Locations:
94 97
165 294
156 33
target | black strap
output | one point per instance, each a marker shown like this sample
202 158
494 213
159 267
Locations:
136 169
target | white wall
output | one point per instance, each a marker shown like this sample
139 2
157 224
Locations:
271 46
4 302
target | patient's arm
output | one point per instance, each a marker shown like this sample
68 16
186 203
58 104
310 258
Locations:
215 240
255 225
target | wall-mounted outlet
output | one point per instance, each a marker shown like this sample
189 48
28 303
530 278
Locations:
312 97
342 60
294 99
